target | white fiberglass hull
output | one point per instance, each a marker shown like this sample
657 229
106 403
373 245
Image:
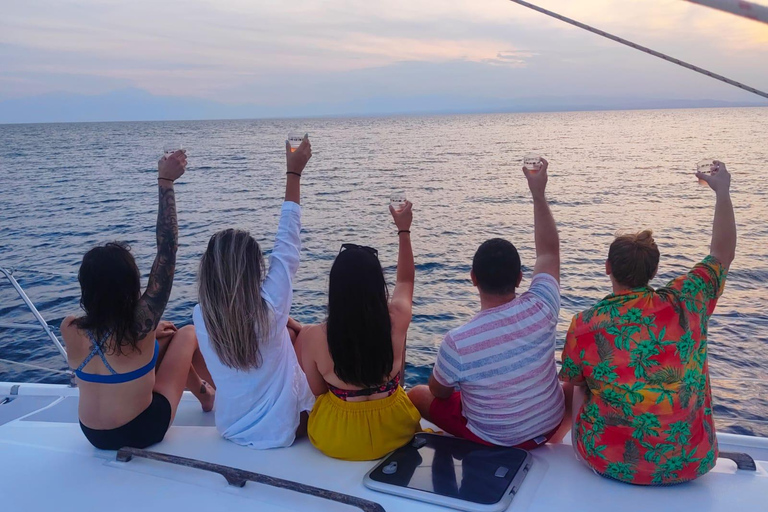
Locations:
46 464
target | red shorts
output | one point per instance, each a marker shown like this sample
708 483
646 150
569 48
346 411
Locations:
446 414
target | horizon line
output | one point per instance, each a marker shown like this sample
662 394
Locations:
426 113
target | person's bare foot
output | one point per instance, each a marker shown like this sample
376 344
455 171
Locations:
207 396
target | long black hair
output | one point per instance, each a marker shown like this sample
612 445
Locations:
110 287
358 324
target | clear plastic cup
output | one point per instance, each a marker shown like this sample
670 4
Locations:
295 140
705 167
532 162
397 200
170 149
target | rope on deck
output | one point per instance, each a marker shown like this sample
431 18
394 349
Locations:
642 48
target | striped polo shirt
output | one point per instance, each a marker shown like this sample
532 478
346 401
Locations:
503 362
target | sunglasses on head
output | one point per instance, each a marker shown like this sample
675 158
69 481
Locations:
355 247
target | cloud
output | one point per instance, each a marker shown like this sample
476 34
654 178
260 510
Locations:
238 50
512 58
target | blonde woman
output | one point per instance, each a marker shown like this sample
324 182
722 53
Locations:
262 395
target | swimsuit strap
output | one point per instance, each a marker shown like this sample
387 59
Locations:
390 387
115 378
96 350
97 347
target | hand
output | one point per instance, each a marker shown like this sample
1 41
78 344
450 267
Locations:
537 180
294 328
298 159
172 167
403 217
719 180
164 329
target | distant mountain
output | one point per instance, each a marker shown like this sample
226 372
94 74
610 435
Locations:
139 105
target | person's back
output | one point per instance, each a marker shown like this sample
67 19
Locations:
642 353
262 394
355 360
131 367
503 360
258 407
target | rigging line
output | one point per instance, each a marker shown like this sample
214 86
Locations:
46 272
642 48
36 367
749 10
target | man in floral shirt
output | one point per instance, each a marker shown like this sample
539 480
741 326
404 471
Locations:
640 357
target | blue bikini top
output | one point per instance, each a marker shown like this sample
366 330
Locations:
114 378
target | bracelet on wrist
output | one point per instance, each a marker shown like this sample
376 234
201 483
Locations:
404 231
294 173
165 179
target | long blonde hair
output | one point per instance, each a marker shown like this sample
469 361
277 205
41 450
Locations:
229 289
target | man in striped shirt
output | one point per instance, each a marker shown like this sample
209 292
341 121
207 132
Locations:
503 360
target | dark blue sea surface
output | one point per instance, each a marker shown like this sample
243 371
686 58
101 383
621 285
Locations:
67 187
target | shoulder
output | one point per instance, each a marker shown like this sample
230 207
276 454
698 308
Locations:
588 321
68 323
545 279
73 338
544 287
312 337
197 316
457 333
69 329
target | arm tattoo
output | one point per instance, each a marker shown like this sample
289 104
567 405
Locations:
153 302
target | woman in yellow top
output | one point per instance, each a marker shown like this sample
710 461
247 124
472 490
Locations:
354 361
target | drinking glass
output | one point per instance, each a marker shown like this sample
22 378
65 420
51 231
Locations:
705 167
532 162
295 141
170 149
397 200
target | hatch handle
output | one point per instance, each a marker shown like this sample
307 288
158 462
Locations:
238 478
743 461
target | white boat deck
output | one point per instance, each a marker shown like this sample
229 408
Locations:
47 464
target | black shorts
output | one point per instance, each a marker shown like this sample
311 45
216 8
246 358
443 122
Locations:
144 430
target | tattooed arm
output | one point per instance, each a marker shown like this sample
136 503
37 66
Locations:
155 298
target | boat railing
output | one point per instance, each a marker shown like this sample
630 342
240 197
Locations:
41 325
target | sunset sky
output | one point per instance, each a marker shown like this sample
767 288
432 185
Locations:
334 51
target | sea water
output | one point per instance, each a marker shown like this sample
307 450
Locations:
67 187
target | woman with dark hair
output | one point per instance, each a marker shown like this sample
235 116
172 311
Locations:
243 325
355 360
130 387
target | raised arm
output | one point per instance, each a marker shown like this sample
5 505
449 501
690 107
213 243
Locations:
545 231
286 253
155 298
296 161
723 246
406 270
401 307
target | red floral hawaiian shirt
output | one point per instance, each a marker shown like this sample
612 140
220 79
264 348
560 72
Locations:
642 355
